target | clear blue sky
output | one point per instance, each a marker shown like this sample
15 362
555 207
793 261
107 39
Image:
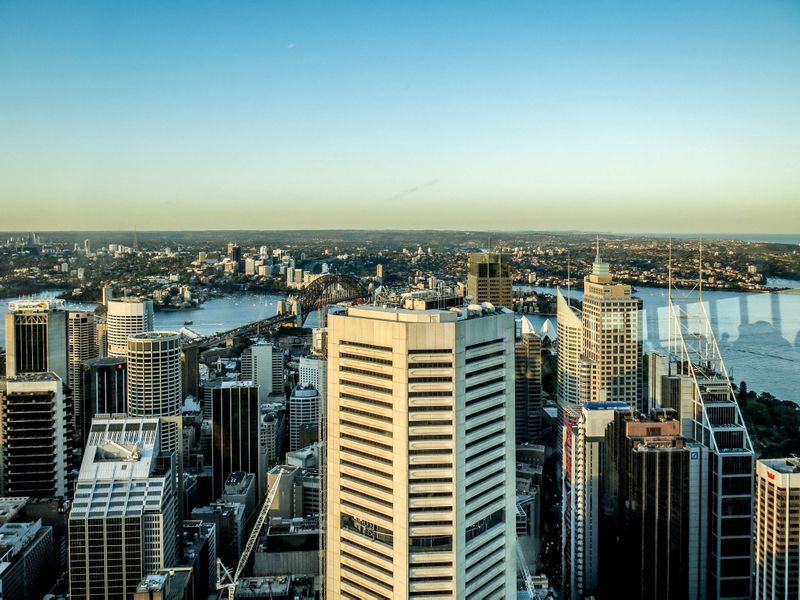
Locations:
627 116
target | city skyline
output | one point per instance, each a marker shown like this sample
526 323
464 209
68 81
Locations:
313 115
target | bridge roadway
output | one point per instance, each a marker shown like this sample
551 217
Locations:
251 329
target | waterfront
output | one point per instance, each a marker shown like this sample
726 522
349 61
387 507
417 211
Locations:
758 333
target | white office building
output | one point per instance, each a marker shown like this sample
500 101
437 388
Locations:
420 461
126 317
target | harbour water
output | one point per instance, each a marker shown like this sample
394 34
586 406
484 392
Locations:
758 333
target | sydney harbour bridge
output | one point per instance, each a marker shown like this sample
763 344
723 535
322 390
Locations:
332 288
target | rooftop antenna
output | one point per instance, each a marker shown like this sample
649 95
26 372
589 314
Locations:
135 240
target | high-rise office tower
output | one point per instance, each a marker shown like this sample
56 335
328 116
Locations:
489 278
263 364
122 524
777 529
700 391
611 344
82 334
35 436
583 457
655 509
420 461
570 352
126 317
154 374
528 385
36 338
303 412
105 382
235 424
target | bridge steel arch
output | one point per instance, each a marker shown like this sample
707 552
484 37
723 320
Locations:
332 288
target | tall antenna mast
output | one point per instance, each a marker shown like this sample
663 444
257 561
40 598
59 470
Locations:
569 261
700 270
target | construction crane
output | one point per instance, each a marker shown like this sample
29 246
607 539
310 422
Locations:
227 579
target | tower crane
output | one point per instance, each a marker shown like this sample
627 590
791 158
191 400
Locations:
228 579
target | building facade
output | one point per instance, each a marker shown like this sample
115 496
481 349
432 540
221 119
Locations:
36 338
122 524
655 509
126 317
303 412
235 426
104 390
777 548
420 461
35 436
263 364
528 385
489 279
612 349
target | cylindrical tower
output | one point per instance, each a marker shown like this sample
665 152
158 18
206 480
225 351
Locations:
126 317
154 374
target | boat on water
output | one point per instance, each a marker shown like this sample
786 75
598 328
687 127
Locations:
187 322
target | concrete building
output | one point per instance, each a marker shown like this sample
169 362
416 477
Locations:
611 345
528 385
36 338
105 382
655 509
228 519
82 336
570 352
154 374
126 317
313 371
489 279
420 463
35 436
263 365
303 411
581 489
698 388
777 550
273 432
235 426
122 524
26 560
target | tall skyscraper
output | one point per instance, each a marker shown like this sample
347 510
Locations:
82 333
655 510
313 371
154 374
777 529
570 352
421 470
528 385
700 391
235 425
489 279
126 317
105 382
263 364
611 344
35 436
36 338
303 412
583 458
122 524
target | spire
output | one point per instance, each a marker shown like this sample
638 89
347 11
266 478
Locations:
597 254
599 267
